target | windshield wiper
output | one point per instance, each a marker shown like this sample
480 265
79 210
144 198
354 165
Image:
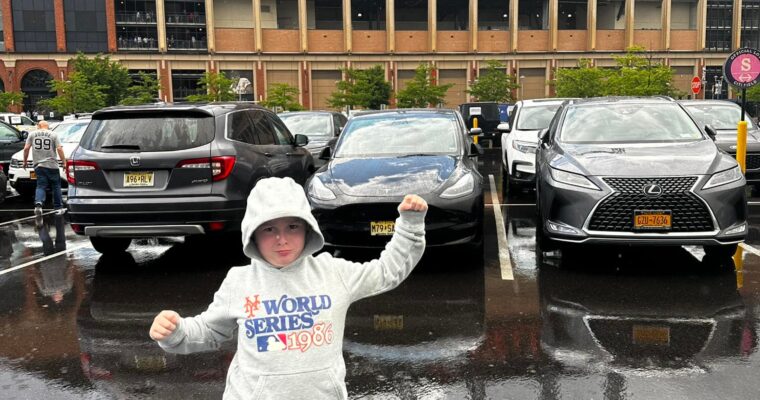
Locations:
121 146
416 155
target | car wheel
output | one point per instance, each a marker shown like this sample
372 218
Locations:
475 249
719 252
110 245
543 242
508 186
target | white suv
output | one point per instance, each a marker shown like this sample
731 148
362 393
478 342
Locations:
519 141
69 133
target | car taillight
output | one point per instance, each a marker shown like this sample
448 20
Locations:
79 165
221 166
77 228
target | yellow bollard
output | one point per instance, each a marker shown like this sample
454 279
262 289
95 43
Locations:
739 266
475 125
741 144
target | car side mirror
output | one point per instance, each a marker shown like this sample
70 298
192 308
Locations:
543 135
301 140
503 127
325 154
476 132
711 132
475 150
24 135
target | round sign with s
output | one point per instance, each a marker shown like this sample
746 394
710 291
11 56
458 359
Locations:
742 68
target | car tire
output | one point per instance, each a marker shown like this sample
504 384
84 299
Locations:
508 186
110 245
476 248
720 252
543 243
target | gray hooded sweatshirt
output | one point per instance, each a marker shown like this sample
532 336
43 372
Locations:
290 320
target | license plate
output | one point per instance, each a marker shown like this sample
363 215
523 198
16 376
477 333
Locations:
138 179
381 228
389 322
150 363
647 334
652 219
32 175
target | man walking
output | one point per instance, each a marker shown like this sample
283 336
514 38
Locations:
44 144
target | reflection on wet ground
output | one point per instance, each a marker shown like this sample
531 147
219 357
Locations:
612 323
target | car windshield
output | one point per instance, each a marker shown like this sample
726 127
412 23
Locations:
399 134
536 117
308 124
70 132
628 123
159 132
718 116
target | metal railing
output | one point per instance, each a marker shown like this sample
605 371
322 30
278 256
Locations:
147 18
185 19
175 44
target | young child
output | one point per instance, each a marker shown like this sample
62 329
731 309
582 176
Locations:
289 306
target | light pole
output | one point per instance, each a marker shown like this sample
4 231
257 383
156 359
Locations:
718 87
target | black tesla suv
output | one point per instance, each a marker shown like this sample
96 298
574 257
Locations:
636 171
175 170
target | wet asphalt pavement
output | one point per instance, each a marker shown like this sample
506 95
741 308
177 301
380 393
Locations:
600 323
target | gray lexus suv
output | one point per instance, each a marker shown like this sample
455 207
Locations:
175 169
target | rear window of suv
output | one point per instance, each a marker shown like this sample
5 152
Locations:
146 133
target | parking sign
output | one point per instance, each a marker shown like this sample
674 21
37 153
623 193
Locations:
742 68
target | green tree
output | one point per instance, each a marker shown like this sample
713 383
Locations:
144 91
284 96
420 91
364 88
753 94
584 81
8 99
77 94
112 77
638 75
494 84
214 86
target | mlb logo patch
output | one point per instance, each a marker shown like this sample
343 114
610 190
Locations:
272 343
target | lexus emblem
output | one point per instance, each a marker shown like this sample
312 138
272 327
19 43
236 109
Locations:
134 161
652 190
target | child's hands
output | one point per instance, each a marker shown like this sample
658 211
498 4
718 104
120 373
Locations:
412 202
164 324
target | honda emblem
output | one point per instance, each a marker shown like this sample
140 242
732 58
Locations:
134 161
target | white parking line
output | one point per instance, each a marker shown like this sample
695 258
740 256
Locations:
24 219
501 234
753 203
749 249
39 260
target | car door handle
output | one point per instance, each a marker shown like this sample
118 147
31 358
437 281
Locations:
267 154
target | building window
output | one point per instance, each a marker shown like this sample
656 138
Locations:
233 14
720 17
2 31
135 38
493 16
411 15
453 15
182 12
610 14
533 15
683 14
279 14
185 83
715 87
135 12
186 39
647 14
368 15
572 14
34 26
85 26
35 84
325 14
751 23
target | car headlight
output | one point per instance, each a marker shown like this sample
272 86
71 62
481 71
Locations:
570 178
464 186
319 191
724 177
524 147
16 163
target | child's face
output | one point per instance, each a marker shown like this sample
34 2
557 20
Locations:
280 241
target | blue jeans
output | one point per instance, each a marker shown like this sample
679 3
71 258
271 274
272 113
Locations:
48 177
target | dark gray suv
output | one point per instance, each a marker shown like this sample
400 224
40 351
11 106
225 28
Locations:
175 170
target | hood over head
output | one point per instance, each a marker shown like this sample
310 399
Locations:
274 198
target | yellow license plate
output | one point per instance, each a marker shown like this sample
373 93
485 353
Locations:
647 334
652 220
32 175
138 179
389 322
150 363
381 228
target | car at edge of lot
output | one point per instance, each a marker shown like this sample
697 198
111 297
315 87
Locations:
18 121
175 169
69 133
322 128
382 156
519 141
11 141
723 116
636 171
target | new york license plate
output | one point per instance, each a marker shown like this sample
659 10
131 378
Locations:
388 322
646 334
138 179
652 219
381 228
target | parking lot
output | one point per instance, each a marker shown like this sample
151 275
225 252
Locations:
603 322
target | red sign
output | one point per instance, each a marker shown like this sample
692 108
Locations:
696 85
